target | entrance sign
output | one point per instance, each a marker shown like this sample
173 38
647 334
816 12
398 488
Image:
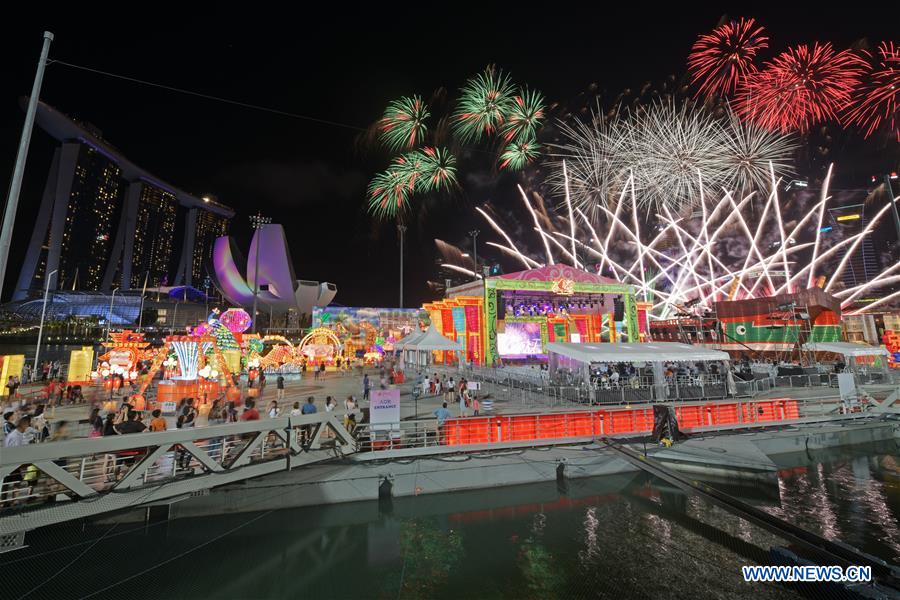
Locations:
384 409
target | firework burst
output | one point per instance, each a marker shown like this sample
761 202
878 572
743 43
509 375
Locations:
525 116
749 150
484 103
877 100
403 124
663 148
800 87
720 60
519 154
419 171
721 252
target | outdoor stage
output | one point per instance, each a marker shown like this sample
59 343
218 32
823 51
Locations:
515 316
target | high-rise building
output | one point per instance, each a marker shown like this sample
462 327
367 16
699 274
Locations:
154 236
104 222
862 264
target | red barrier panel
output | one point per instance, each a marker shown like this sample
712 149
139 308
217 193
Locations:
514 428
690 416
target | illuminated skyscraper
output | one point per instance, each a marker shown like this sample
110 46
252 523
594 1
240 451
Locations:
154 236
847 221
104 222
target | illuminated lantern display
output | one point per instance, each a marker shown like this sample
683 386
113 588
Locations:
237 320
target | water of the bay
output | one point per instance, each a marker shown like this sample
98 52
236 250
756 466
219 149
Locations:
626 536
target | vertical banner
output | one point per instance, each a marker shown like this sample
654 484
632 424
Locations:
490 322
459 319
581 325
631 319
447 324
559 332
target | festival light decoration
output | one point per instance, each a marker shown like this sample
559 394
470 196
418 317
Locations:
800 87
877 99
723 58
696 260
661 148
403 125
237 320
188 353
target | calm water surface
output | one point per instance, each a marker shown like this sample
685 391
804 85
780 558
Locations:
614 537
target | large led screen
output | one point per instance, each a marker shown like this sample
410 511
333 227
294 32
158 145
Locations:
520 340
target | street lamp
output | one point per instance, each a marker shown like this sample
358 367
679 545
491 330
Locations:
37 349
402 229
258 222
474 234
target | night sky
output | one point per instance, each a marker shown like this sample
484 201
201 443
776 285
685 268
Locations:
344 67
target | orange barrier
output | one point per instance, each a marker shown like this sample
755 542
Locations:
610 421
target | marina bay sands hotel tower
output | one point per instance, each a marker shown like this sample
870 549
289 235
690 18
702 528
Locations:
106 223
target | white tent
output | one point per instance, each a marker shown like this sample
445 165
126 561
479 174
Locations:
432 340
429 341
409 340
846 348
654 352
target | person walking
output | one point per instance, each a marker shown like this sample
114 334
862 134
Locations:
279 385
366 387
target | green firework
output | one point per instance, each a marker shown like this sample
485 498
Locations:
438 170
403 124
524 117
485 101
418 171
518 154
389 192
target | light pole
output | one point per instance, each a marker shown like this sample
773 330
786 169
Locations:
258 222
402 229
15 186
37 349
109 314
474 235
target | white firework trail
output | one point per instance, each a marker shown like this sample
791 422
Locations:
662 147
692 259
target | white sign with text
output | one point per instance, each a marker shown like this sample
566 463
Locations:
384 409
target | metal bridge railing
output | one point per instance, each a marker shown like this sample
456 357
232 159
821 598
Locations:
63 473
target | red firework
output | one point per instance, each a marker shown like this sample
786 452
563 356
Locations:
800 87
721 59
877 100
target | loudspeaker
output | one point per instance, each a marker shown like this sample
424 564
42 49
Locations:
618 310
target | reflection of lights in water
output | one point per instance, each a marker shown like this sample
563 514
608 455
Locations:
591 547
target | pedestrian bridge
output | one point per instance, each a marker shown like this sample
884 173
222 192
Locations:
51 483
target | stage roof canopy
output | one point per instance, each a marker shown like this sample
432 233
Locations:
650 352
846 348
